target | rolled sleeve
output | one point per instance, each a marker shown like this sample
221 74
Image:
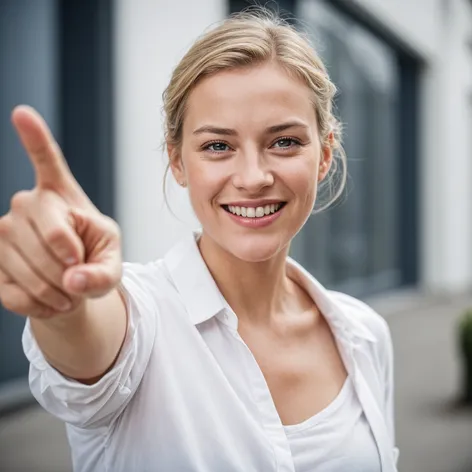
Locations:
99 404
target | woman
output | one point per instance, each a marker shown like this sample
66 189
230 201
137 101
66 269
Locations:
225 355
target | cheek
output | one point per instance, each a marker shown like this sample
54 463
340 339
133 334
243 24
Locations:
204 183
200 191
308 194
302 180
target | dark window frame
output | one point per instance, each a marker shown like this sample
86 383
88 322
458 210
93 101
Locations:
410 64
86 105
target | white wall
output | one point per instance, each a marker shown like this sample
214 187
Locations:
151 36
447 217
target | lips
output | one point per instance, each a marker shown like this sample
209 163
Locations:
252 215
254 211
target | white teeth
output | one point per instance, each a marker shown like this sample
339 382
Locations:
254 212
259 212
251 212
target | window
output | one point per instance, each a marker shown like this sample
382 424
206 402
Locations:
366 242
354 245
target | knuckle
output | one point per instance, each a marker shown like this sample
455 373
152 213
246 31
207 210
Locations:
42 290
42 312
112 227
20 200
11 302
56 236
49 202
48 197
15 300
5 226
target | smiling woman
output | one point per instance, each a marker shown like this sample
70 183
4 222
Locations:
248 149
226 355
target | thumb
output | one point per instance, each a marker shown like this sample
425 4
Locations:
102 268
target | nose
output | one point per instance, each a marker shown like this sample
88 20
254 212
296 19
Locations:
252 173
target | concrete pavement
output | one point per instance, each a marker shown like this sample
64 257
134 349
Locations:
434 434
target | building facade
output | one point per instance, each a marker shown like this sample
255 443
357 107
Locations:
404 73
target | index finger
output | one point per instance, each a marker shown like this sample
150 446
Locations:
49 164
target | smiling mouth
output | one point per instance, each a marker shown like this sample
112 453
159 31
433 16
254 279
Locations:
254 212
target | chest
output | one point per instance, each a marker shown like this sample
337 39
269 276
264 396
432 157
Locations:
304 372
212 409
336 440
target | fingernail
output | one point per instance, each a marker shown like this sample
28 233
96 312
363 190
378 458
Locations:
79 282
70 261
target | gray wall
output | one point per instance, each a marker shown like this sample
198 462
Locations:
28 74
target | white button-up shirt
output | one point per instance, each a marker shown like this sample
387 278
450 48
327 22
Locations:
186 393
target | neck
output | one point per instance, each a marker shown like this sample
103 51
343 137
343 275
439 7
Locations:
255 290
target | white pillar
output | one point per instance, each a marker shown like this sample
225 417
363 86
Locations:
150 38
446 161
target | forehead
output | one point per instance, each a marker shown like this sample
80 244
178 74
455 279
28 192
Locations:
248 97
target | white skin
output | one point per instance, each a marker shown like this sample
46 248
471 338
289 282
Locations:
248 162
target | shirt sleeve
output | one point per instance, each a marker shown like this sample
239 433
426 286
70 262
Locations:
389 391
97 405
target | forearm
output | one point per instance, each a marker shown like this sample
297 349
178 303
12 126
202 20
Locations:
83 345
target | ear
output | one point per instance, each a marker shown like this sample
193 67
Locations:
176 164
326 158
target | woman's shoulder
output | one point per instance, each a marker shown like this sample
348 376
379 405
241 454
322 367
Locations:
147 278
362 313
143 270
342 309
374 329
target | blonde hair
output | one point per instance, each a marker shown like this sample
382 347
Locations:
252 37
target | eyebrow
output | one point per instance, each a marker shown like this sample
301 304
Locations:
231 132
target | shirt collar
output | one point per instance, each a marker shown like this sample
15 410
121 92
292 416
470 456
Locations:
203 299
196 286
338 317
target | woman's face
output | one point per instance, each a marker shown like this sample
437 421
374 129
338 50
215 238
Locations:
251 158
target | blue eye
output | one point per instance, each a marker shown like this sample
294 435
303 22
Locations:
286 143
217 147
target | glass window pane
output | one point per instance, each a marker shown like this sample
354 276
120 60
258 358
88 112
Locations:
353 246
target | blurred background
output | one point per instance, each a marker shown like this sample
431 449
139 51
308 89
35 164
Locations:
401 238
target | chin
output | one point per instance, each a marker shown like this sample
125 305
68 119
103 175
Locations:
257 248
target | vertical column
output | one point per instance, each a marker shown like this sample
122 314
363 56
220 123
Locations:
446 162
150 38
